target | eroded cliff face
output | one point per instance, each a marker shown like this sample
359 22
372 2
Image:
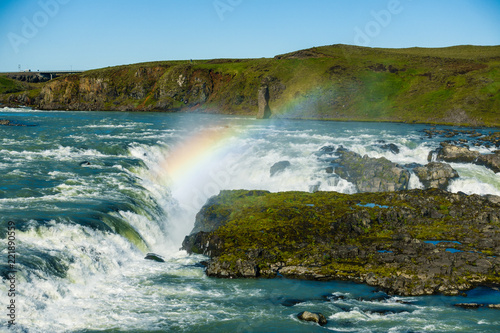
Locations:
117 90
159 88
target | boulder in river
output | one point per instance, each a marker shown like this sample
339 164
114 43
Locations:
451 153
154 257
371 174
318 318
7 122
456 154
468 305
391 147
326 150
491 161
436 175
279 167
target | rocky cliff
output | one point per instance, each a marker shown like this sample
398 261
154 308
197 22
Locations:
456 85
412 242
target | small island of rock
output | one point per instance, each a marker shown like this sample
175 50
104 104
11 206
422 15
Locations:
411 242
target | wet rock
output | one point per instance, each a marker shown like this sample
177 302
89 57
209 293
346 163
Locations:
391 147
436 175
154 257
411 166
318 318
7 122
491 161
492 139
84 163
299 272
371 174
242 269
279 167
329 170
468 305
326 150
451 153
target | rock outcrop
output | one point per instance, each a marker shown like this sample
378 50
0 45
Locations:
457 154
436 175
371 174
491 161
412 242
263 102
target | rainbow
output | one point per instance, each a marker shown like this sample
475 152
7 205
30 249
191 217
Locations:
187 159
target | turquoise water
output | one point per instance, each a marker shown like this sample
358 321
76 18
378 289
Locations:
92 192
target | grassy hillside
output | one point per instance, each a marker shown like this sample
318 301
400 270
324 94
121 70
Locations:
8 85
454 85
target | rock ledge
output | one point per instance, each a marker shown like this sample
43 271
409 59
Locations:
412 242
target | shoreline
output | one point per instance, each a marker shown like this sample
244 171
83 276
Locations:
338 120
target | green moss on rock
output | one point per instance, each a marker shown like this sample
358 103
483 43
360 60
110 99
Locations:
377 238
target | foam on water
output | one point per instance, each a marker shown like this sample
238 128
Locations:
475 179
77 277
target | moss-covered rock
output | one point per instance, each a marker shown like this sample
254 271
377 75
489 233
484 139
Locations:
409 242
371 174
436 175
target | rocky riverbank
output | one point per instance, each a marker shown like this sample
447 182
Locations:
455 85
410 242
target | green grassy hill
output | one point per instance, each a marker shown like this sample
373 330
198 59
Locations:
454 85
8 85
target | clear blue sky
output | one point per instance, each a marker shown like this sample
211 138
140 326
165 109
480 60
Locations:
87 34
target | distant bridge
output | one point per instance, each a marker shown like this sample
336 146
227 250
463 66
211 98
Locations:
37 76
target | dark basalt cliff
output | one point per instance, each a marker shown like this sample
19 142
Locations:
411 242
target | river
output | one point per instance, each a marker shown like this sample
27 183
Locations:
90 193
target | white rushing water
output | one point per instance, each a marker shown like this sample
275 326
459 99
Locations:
83 230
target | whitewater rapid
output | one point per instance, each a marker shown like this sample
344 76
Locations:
92 193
